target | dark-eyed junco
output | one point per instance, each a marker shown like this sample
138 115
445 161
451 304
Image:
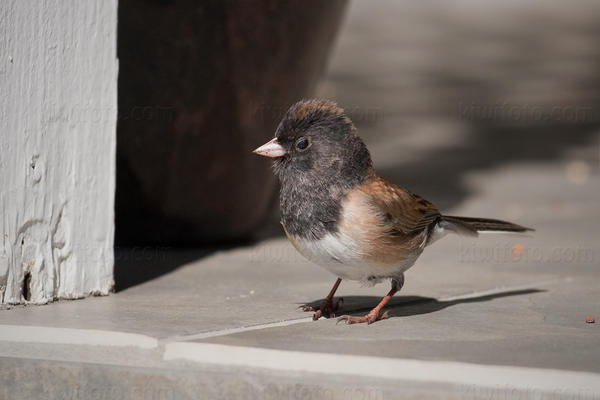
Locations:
341 215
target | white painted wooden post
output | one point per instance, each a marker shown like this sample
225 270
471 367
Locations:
58 81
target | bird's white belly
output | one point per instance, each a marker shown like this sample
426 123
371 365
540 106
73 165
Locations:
341 255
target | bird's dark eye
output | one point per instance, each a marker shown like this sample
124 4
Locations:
302 144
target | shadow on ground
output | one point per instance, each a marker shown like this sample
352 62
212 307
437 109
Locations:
136 265
404 306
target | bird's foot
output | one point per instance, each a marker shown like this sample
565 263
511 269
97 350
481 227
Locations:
327 308
372 316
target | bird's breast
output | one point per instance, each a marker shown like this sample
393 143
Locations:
361 248
338 254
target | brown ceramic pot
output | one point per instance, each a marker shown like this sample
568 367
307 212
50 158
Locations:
201 84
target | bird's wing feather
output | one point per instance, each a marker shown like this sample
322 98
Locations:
403 211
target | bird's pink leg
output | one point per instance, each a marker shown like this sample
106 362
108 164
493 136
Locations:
328 306
375 314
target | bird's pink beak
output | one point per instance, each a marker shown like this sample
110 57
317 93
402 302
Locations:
271 149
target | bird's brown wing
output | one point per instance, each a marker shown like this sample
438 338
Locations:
403 212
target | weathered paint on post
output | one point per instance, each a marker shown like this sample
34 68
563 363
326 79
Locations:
58 80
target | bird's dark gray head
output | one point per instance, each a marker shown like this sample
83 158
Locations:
315 140
319 157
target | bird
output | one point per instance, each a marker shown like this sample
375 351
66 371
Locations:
341 215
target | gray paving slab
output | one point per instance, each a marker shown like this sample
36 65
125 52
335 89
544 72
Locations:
510 327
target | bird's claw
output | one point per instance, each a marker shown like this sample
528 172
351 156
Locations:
369 318
328 307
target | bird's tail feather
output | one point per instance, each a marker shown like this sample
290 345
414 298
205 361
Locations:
471 226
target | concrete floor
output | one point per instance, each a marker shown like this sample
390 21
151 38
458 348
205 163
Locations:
501 316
